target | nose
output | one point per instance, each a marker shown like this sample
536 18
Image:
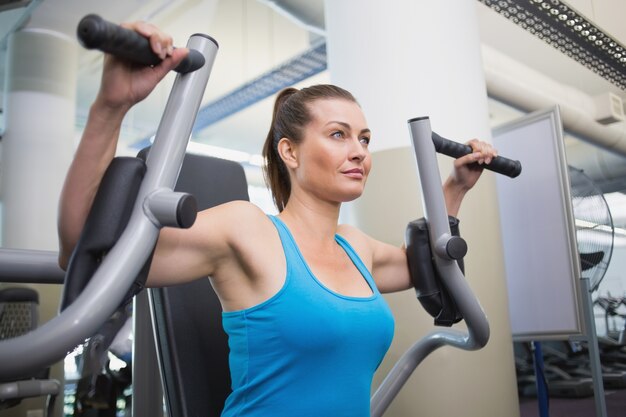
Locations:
357 151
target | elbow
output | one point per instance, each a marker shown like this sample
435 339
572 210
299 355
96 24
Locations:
64 255
63 260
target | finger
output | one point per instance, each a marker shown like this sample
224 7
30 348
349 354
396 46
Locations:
478 148
466 160
492 153
171 62
486 150
160 42
177 55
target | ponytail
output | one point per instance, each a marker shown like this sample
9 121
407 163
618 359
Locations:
274 171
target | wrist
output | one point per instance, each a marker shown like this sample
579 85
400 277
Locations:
453 185
107 112
453 193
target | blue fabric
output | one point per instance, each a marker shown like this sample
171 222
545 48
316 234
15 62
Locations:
307 351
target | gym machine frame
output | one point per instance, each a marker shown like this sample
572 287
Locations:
156 206
446 249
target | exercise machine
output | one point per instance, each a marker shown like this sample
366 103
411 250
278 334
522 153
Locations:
157 205
446 294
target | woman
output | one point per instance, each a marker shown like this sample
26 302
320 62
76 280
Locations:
301 294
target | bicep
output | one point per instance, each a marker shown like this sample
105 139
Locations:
182 255
390 267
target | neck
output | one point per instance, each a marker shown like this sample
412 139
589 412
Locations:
317 221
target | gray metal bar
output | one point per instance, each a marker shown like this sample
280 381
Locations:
436 214
29 388
110 283
147 389
594 351
30 267
163 207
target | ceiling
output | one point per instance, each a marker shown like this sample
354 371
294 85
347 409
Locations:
255 36
258 35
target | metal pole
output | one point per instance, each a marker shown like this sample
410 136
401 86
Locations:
30 267
147 389
594 352
542 388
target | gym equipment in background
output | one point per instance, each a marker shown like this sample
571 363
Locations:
556 381
613 307
595 232
19 315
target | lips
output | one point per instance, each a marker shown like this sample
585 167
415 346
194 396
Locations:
354 173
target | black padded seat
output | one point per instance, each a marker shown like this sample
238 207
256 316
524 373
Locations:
191 343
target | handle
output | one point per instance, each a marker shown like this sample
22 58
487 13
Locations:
96 33
499 164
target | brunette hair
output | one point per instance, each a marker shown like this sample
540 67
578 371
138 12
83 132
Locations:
291 115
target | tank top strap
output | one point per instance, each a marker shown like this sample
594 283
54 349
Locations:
293 252
356 260
289 244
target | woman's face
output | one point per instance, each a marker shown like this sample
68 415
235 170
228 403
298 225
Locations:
333 160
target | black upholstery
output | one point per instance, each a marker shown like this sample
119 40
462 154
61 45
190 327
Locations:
191 343
109 215
429 287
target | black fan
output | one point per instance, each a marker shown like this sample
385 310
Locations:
595 232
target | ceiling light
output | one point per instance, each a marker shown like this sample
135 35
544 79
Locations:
559 25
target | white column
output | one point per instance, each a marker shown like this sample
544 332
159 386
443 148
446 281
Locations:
37 148
38 140
403 59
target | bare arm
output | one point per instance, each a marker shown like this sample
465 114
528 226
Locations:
467 171
218 244
122 86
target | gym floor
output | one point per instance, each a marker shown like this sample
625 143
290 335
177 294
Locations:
578 407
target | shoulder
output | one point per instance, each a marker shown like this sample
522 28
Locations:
359 240
350 232
237 233
234 218
238 209
376 251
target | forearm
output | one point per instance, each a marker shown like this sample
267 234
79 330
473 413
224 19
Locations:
453 195
93 155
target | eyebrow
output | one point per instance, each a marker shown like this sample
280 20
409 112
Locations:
347 126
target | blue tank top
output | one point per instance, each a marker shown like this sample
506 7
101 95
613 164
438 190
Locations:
306 351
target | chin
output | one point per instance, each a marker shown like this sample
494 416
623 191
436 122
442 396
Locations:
351 196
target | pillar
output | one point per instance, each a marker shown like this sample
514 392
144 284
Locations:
37 148
404 59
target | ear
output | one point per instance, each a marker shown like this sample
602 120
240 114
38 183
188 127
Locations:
288 152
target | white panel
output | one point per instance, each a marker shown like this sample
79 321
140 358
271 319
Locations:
541 256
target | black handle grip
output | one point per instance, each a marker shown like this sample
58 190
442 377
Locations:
96 33
499 164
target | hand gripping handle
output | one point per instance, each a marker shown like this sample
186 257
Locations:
96 33
499 164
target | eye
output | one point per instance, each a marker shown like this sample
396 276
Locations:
338 134
365 140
